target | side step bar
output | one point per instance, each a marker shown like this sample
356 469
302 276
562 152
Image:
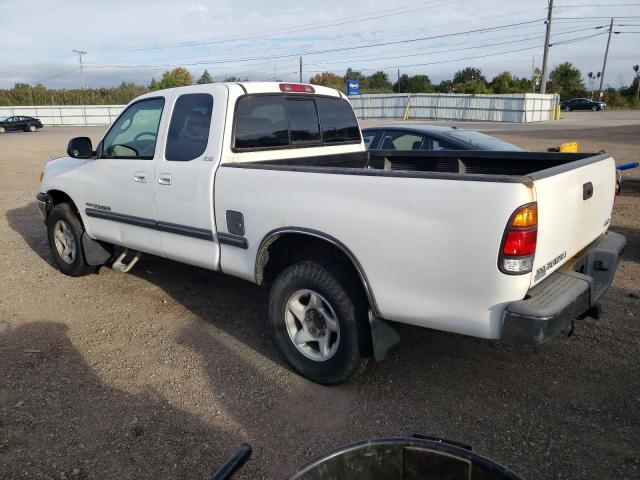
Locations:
120 265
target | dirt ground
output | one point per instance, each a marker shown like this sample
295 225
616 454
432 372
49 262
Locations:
162 372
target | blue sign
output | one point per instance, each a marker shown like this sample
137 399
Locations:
353 87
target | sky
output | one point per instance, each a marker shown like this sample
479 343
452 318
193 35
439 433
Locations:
137 40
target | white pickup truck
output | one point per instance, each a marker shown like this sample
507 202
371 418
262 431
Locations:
271 182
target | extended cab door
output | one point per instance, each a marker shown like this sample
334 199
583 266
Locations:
185 176
118 185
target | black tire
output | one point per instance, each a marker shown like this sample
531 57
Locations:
3 129
76 266
344 298
595 108
567 109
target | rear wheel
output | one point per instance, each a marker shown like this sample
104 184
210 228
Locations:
65 230
319 322
567 108
2 129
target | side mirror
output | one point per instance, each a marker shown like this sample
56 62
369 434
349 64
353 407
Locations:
80 147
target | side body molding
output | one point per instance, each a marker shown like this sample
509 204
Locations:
273 235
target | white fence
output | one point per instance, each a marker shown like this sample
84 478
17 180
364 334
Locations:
526 107
519 108
67 114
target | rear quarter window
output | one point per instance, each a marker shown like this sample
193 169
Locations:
339 123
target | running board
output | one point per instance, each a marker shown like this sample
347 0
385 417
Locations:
119 264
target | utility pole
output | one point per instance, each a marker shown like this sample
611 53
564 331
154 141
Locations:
300 69
604 64
543 80
399 88
80 53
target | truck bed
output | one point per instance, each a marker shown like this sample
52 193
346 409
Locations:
461 165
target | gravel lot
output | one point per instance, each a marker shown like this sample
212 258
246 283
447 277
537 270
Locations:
162 372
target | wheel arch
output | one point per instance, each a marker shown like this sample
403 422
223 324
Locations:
275 253
55 197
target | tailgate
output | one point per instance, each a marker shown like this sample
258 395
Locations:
574 208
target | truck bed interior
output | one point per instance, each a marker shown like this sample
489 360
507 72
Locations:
447 162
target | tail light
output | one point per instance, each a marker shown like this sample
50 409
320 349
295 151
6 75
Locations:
296 87
518 247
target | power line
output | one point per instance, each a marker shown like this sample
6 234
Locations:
537 37
466 58
332 50
304 28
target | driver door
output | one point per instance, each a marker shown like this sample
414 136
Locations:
118 185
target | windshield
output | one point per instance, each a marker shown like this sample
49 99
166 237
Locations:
480 141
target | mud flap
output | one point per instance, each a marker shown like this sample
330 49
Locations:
384 337
94 252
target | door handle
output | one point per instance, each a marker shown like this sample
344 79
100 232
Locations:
164 179
140 177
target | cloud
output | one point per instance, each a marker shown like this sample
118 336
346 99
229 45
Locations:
149 37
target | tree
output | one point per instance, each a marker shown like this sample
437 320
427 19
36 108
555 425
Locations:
153 85
178 77
469 74
379 81
567 81
476 87
414 84
353 75
420 84
445 86
402 85
507 83
205 78
328 79
636 69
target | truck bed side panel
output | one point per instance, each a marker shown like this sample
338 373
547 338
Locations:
428 247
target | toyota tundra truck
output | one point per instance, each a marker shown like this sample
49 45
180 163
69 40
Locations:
271 182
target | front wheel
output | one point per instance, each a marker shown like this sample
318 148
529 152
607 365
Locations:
595 108
32 128
319 322
2 129
65 230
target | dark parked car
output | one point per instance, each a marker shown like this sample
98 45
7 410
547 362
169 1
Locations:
28 124
582 104
431 137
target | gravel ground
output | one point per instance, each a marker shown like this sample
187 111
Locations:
160 373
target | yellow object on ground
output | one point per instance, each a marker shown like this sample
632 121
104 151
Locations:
570 147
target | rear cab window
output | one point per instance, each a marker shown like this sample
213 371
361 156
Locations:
273 121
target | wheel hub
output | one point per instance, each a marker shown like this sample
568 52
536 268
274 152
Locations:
312 325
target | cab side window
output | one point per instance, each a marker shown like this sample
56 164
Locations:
135 133
189 128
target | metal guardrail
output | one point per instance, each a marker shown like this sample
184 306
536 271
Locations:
73 115
519 108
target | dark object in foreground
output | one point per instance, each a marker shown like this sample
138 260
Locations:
400 458
27 124
234 463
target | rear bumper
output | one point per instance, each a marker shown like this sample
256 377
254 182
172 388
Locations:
568 293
